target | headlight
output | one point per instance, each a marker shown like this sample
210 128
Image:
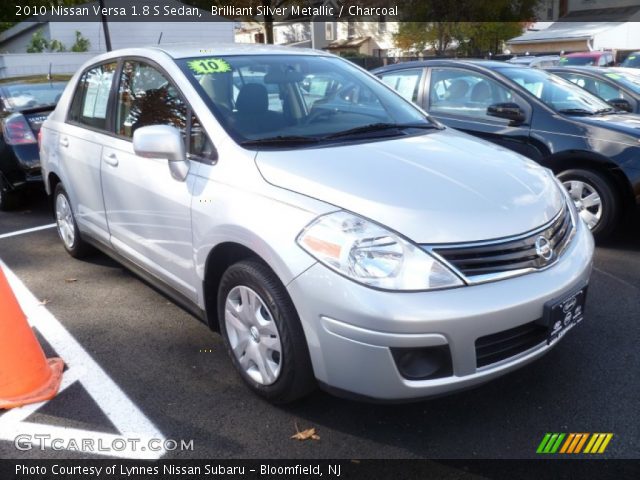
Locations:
370 254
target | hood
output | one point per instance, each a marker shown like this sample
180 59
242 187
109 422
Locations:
626 123
441 187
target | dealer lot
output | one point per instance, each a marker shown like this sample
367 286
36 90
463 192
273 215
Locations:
177 373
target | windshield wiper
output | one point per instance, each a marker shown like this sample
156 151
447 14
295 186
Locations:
280 140
378 127
576 111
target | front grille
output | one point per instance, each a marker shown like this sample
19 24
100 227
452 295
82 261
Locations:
499 346
511 255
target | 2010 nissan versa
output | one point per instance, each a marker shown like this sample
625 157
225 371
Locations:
331 231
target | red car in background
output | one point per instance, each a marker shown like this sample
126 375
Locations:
595 59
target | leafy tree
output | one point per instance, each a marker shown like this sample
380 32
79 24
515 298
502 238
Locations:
82 44
477 27
38 43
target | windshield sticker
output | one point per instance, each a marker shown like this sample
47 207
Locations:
203 66
615 76
632 57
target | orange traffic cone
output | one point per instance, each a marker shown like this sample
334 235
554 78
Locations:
26 376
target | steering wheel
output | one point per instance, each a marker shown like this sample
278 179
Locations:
317 115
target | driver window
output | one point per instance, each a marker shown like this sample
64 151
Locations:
465 93
147 97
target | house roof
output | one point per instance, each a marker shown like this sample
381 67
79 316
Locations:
348 43
565 32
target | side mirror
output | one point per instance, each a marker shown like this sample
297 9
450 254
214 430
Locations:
509 111
620 104
162 141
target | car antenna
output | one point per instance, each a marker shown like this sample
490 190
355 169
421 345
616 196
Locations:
49 74
160 38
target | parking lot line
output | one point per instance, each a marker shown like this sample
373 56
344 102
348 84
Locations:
125 416
28 230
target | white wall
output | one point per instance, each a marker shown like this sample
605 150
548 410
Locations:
138 34
20 64
623 37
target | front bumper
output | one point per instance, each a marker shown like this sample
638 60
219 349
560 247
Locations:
350 329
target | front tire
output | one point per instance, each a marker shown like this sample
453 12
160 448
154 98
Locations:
262 333
595 199
66 225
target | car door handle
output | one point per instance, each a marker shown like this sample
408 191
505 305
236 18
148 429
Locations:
64 142
111 159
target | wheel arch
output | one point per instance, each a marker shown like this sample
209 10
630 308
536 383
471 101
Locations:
585 160
221 257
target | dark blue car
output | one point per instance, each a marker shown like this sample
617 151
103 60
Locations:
591 146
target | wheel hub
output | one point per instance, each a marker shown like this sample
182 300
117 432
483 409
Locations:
255 335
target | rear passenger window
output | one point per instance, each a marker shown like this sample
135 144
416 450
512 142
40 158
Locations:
89 105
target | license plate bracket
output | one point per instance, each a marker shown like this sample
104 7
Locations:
562 314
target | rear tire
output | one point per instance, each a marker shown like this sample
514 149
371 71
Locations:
262 333
8 198
595 198
66 225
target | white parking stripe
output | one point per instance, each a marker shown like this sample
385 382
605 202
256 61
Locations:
127 418
28 230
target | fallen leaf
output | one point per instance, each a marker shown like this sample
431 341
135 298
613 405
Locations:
70 280
309 433
44 301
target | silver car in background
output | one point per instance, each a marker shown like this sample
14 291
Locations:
330 230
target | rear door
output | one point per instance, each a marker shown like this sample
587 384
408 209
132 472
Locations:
459 98
80 147
149 212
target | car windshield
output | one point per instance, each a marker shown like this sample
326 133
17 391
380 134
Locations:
632 61
559 94
578 60
298 98
19 96
628 80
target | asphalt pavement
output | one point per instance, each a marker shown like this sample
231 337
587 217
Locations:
175 371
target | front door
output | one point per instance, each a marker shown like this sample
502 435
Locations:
148 212
459 98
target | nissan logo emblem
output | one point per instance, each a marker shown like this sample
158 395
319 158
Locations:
543 248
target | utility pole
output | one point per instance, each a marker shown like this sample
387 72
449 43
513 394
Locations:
105 26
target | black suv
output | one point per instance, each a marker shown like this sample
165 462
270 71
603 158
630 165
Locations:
592 147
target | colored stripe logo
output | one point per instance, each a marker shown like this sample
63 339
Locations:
574 443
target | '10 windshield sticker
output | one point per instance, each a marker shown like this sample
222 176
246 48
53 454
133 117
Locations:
203 66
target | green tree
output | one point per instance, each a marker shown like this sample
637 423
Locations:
81 44
482 38
38 43
475 27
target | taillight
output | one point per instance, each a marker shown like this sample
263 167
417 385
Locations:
16 130
39 137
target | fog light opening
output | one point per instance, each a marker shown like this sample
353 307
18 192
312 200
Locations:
423 363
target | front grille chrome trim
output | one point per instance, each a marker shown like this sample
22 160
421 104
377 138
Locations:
499 259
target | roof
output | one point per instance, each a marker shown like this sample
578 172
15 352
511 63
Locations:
489 64
565 32
594 54
348 43
183 50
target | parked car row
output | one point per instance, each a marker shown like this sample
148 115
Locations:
590 145
330 230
